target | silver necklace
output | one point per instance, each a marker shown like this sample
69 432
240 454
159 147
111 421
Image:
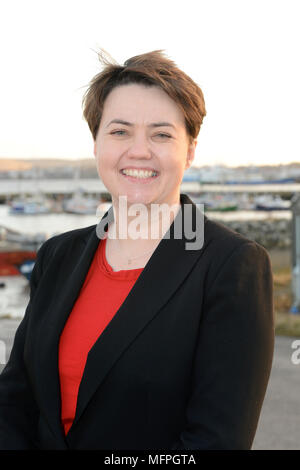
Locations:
129 260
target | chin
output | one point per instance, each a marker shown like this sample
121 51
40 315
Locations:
138 197
139 200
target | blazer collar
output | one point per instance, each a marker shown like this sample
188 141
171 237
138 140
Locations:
170 256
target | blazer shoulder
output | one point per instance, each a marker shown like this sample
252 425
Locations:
55 242
223 242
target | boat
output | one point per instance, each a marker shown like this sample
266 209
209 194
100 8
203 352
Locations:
80 204
11 236
222 206
16 263
220 203
216 203
29 206
268 202
18 252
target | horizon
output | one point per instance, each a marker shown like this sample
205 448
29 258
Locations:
50 160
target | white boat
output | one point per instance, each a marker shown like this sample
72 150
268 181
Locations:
29 206
217 203
269 202
80 204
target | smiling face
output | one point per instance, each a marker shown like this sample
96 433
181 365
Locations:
142 128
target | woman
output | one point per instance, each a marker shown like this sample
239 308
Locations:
142 342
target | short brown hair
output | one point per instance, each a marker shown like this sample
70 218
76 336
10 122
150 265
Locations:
149 69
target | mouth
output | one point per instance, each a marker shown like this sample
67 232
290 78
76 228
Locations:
141 176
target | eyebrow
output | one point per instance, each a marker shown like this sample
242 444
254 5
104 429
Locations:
153 124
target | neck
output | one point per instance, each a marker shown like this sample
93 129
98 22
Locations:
139 227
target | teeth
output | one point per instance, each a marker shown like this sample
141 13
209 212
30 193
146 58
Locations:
139 173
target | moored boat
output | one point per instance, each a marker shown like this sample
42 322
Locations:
16 263
271 203
29 206
18 252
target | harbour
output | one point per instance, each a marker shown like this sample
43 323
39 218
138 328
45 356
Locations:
36 204
22 234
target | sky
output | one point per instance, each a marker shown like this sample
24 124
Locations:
244 54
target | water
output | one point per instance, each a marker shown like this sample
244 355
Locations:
51 224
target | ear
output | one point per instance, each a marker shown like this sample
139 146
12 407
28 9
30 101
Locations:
190 153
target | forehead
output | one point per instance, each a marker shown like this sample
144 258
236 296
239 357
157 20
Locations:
135 102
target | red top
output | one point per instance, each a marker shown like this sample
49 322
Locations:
100 297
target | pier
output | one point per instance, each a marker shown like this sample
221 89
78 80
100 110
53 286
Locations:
11 187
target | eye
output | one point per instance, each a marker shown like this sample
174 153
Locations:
164 135
117 132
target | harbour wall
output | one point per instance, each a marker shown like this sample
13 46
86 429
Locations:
270 233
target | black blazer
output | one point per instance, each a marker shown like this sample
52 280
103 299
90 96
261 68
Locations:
183 364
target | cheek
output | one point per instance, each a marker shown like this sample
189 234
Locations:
168 156
174 162
106 157
101 163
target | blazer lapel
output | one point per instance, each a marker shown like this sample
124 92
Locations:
154 284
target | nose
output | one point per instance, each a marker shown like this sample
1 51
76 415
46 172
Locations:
139 147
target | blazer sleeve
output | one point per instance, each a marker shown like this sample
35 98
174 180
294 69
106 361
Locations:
18 409
234 354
